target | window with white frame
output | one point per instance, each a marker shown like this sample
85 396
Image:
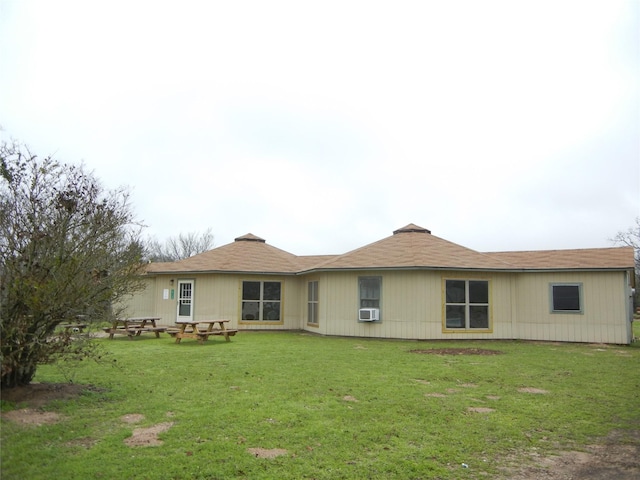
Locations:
566 297
312 303
261 301
370 291
467 304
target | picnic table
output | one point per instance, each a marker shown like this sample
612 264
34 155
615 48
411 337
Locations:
201 330
134 326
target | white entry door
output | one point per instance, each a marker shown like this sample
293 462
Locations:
185 301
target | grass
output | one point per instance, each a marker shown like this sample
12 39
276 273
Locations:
340 407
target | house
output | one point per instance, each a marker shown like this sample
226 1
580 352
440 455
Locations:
411 285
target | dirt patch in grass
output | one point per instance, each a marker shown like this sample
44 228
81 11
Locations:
480 410
36 395
536 391
29 416
612 458
457 351
147 437
267 452
132 418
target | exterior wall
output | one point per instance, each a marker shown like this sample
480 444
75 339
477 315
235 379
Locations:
411 305
142 303
604 319
216 296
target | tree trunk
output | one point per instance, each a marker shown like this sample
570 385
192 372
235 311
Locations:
20 375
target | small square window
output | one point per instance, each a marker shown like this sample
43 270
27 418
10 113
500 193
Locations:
566 298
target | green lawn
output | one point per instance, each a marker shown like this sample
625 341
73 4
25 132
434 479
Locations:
340 407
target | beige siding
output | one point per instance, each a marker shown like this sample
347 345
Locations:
140 304
411 305
604 316
215 297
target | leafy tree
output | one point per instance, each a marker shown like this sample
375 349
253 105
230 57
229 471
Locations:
67 248
182 246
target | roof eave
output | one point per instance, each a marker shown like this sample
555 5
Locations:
225 272
471 269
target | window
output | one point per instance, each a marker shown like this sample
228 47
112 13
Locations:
261 301
467 304
312 303
566 297
370 288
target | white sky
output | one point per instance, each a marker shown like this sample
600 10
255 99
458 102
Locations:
324 126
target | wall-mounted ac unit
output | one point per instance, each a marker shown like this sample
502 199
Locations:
368 314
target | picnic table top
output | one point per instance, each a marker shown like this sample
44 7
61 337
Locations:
196 322
136 319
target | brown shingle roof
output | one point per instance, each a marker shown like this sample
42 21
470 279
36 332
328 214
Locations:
248 254
414 247
588 258
409 247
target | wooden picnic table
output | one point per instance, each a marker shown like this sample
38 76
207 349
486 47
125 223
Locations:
203 332
134 326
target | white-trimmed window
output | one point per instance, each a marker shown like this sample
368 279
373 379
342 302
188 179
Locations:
566 297
261 301
467 304
312 303
370 290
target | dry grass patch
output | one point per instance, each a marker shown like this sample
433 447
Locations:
457 351
267 452
535 391
29 416
480 410
132 418
147 437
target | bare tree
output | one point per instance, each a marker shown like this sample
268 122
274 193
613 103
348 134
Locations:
631 238
183 246
67 248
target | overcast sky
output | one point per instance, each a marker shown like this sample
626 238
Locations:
323 126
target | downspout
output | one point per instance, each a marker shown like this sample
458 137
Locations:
629 305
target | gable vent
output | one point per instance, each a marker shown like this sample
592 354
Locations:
250 237
411 228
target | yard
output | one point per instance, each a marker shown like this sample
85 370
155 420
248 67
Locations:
299 406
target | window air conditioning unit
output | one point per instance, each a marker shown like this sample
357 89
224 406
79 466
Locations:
368 314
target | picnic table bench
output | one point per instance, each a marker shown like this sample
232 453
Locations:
134 327
201 333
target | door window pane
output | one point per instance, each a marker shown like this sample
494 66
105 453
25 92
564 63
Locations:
184 309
